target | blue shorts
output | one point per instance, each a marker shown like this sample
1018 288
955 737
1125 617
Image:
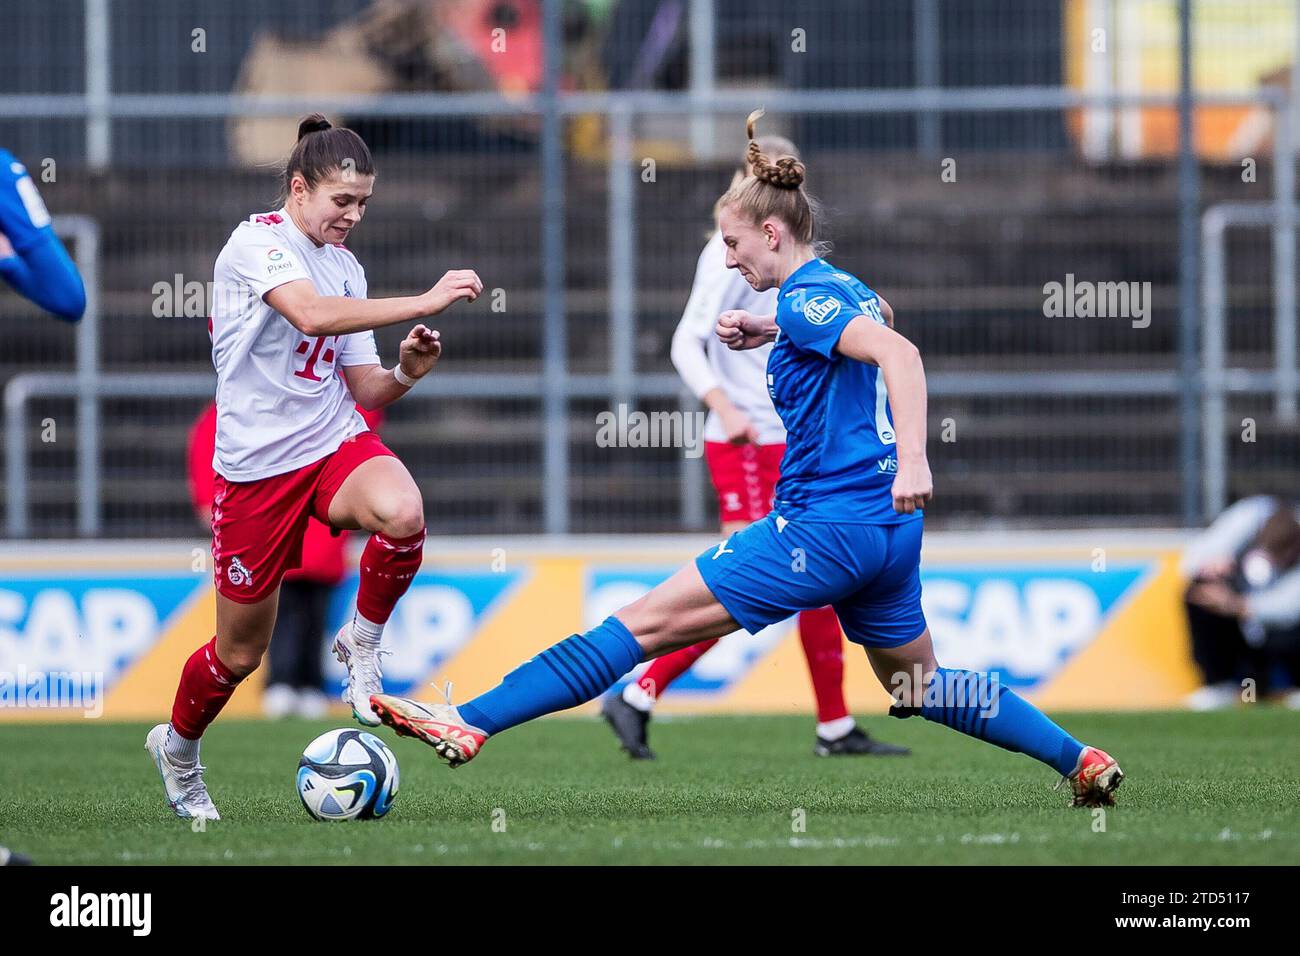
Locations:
870 574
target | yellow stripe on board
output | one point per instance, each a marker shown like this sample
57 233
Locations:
1141 660
543 609
146 691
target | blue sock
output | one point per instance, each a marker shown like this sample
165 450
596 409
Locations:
578 669
980 706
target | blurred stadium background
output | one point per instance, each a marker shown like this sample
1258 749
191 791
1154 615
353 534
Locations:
571 152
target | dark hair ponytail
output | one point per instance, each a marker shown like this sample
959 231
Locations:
316 123
323 149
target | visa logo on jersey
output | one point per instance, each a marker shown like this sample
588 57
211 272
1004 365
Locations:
887 466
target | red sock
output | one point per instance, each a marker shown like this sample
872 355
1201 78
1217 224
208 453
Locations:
819 631
387 567
206 685
664 670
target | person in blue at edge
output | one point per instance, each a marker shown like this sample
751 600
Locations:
32 259
845 529
34 262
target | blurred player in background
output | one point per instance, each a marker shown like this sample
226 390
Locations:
293 674
32 259
744 441
852 394
294 350
1243 602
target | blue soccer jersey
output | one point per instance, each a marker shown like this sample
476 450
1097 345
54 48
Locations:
840 459
38 266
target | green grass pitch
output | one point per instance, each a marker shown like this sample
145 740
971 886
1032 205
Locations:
1201 788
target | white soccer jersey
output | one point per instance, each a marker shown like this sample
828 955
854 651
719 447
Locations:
705 363
281 402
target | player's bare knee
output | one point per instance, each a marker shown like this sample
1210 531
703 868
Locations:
649 625
243 660
656 643
403 518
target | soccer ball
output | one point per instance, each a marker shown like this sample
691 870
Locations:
347 775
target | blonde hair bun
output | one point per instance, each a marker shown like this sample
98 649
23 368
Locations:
787 172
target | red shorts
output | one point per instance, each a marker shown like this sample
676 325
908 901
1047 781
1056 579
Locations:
745 477
258 526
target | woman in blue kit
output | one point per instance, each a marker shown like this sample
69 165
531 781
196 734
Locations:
32 259
34 262
845 529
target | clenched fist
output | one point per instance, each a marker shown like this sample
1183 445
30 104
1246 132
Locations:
420 351
739 330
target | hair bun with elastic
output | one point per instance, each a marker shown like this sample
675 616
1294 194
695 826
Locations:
786 173
315 123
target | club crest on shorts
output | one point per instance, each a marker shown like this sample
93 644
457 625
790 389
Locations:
238 574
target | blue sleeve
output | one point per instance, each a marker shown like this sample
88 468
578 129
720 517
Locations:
45 274
23 216
814 317
40 268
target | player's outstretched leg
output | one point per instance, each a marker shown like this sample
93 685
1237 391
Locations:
379 496
978 705
628 713
680 612
564 675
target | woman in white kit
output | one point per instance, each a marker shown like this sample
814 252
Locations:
744 442
294 349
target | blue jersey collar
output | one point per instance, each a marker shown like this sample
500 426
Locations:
808 266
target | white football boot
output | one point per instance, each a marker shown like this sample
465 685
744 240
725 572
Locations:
187 794
364 675
438 725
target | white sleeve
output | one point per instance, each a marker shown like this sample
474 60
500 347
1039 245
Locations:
1228 533
693 331
1277 606
358 348
260 259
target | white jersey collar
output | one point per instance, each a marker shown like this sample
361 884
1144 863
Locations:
300 238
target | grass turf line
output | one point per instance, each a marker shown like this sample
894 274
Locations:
1201 789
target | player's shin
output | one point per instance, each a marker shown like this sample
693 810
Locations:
980 706
206 684
387 567
823 647
576 670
